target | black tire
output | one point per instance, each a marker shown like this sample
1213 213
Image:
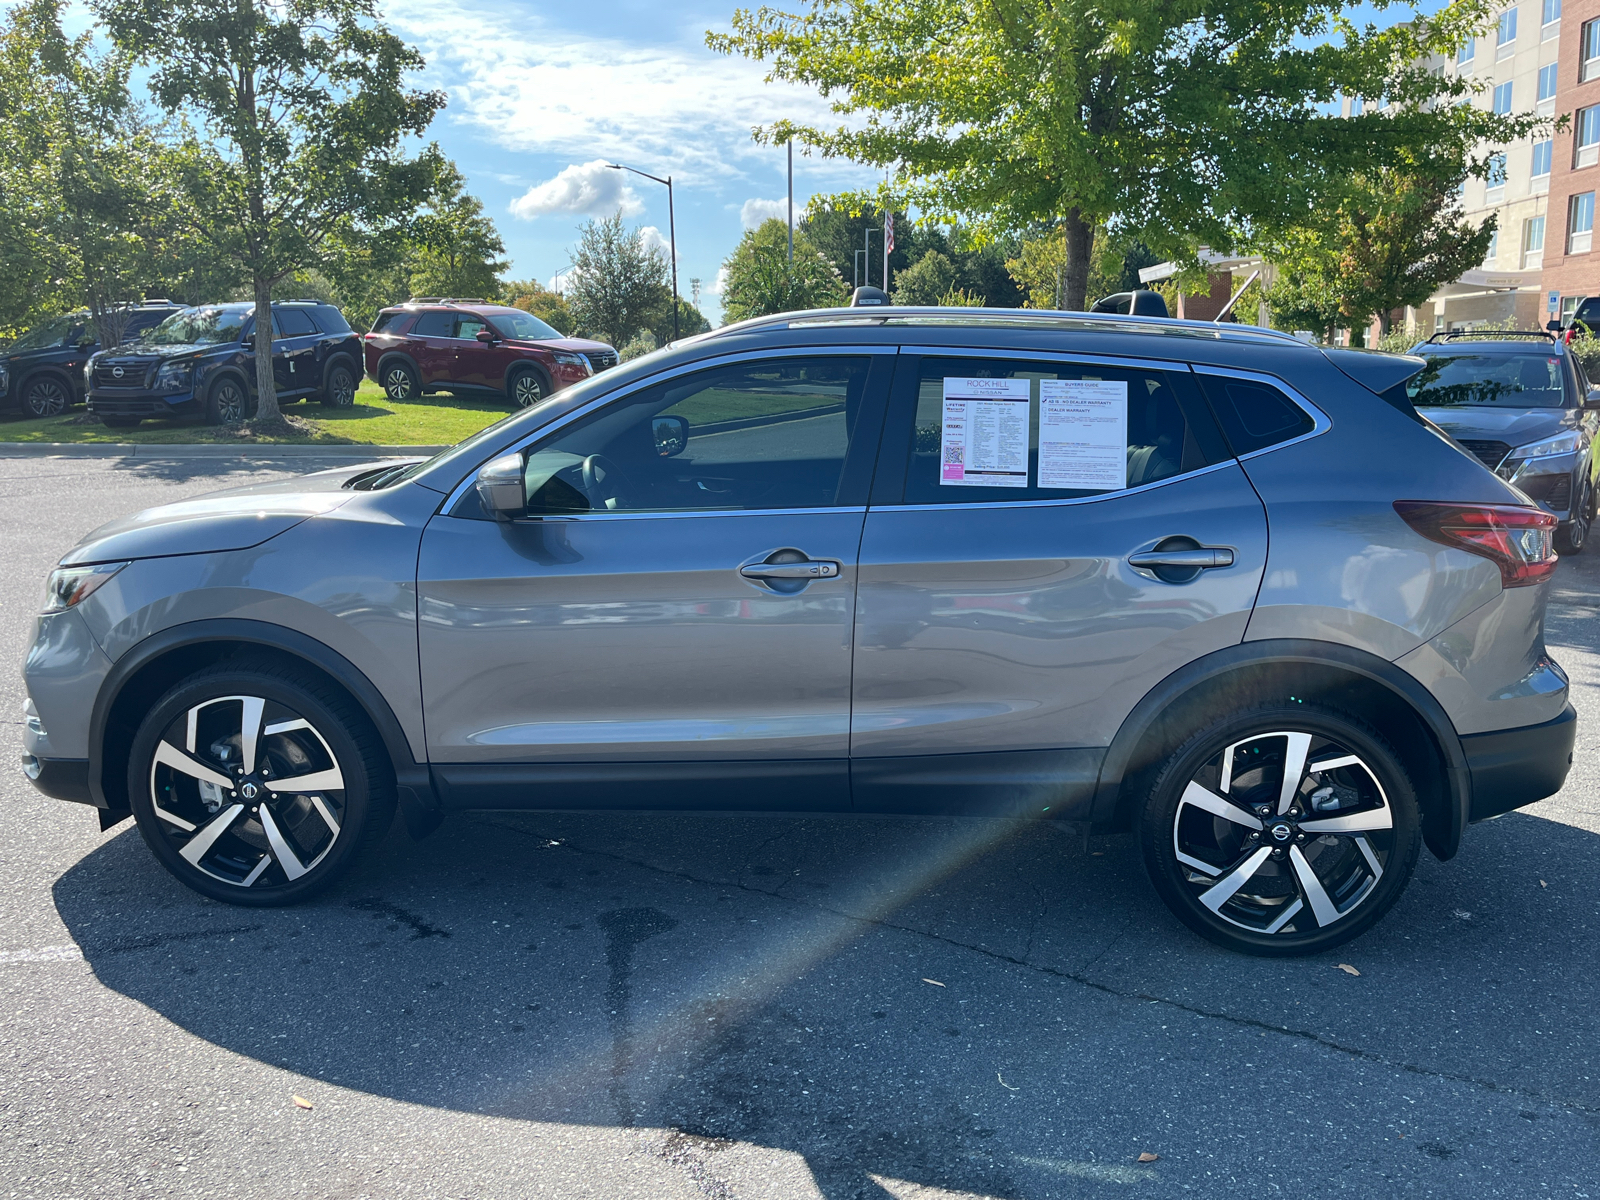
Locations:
399 380
526 387
267 848
339 386
227 402
120 422
1199 844
46 396
1573 535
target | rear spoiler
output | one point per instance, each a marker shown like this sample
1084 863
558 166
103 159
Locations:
1384 374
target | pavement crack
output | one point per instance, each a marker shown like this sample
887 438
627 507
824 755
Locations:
419 927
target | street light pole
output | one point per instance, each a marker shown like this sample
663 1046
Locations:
672 235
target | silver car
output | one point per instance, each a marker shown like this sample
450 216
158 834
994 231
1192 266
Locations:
1205 582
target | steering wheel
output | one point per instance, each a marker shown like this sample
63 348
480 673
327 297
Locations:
604 482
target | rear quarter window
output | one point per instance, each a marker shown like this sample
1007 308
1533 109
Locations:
330 320
389 322
1255 415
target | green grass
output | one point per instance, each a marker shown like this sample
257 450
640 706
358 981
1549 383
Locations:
373 420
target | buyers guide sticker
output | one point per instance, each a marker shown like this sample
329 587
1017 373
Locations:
985 440
1083 434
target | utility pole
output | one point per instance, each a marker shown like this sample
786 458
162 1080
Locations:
672 235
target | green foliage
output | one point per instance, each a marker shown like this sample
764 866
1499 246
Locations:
641 343
960 298
839 233
690 319
1587 349
1176 124
927 281
1304 299
306 111
761 279
1400 341
618 285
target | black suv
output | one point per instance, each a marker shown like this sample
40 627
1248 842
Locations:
201 362
1521 403
41 373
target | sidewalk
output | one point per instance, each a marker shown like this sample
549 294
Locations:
269 450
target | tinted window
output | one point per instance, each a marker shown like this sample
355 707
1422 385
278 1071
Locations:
763 435
387 321
329 319
1588 312
435 324
138 322
51 333
996 429
208 326
1531 380
525 326
1255 415
293 322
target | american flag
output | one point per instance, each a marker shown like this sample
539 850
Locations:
888 233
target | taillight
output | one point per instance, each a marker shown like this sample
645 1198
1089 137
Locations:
1520 541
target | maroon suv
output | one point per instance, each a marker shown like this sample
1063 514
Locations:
431 344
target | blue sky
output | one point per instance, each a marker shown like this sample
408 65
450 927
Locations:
542 95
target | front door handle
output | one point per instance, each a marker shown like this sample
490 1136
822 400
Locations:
795 570
1201 557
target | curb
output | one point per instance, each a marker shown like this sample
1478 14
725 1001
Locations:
206 450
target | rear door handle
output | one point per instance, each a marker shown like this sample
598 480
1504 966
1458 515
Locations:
1203 557
799 570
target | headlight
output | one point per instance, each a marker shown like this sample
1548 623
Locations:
1562 443
567 358
68 586
174 376
88 374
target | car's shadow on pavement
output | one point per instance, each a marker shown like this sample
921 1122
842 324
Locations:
972 1006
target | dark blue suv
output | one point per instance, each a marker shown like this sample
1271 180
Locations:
41 373
201 362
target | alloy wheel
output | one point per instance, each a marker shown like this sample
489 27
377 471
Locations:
397 384
247 791
229 402
1283 833
525 390
47 398
342 388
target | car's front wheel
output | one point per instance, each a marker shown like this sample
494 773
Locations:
257 784
226 402
527 389
46 396
1573 534
1281 830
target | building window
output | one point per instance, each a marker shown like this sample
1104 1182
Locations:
1496 179
1502 98
1468 49
1588 136
1589 51
1356 106
1542 154
1493 252
1532 243
1547 83
1580 223
1548 17
1506 33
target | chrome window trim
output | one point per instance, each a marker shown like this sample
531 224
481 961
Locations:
1321 422
1067 356
678 513
1095 499
732 356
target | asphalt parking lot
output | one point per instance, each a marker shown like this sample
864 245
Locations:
770 1007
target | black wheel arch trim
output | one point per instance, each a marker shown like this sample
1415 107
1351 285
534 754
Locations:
528 364
389 357
20 386
418 800
1442 836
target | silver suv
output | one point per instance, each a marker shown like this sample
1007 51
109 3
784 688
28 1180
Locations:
1207 582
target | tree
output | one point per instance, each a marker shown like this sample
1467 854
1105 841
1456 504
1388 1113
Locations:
928 281
617 282
455 247
840 233
761 279
306 108
1393 238
1178 124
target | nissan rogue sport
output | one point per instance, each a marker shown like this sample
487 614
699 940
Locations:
1209 583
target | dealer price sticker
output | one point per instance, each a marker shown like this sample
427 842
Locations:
985 442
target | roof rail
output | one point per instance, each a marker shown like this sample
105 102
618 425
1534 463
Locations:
1040 318
1490 335
449 300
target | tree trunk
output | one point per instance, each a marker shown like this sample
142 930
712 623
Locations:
266 385
1080 246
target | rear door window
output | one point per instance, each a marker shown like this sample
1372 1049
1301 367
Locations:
990 429
293 322
435 325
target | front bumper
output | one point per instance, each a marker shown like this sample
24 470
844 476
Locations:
60 778
135 402
1548 482
1511 768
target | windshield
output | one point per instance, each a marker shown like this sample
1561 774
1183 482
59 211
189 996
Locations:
524 325
1488 380
51 333
199 327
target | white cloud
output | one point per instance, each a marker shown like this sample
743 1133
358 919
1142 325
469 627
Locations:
590 188
715 287
756 211
654 239
661 107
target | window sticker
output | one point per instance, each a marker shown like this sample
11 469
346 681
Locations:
985 440
1083 434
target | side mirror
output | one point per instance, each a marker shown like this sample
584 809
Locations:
487 336
1553 326
500 487
1591 402
671 435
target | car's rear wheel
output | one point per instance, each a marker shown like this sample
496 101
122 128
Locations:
258 785
1573 534
527 389
46 396
1282 830
226 402
400 381
339 389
